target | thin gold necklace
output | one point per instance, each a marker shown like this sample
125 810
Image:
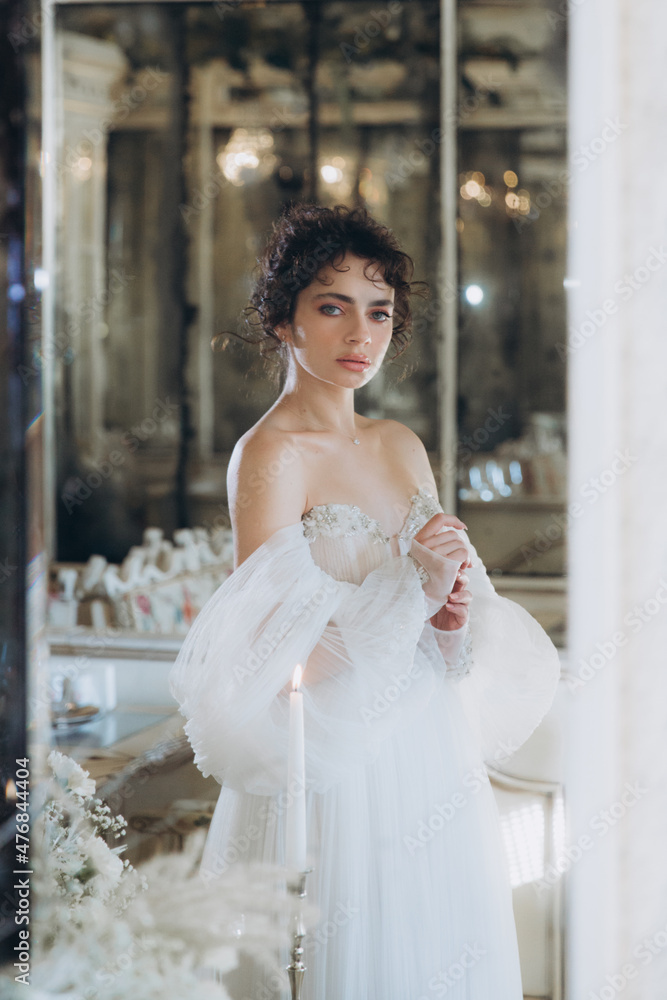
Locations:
354 440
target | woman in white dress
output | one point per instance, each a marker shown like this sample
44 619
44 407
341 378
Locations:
416 671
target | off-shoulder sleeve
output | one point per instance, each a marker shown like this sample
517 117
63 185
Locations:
364 676
507 668
513 671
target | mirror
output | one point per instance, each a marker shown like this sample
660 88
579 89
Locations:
156 260
512 160
181 130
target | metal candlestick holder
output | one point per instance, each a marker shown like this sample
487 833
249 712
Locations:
296 968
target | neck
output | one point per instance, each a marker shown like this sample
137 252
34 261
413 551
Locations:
320 404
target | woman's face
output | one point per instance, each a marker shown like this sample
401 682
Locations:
342 314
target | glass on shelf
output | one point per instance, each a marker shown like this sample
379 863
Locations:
496 478
533 465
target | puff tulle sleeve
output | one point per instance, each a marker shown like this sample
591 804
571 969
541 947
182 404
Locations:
513 671
357 644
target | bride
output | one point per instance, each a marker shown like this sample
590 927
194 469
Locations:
416 673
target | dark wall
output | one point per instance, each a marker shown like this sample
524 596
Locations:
15 416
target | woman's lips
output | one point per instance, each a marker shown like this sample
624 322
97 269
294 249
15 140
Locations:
353 366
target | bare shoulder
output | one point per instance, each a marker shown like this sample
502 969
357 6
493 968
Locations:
399 434
265 486
410 449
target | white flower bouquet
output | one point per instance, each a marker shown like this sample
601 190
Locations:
104 930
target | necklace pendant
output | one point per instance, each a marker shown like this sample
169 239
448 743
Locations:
356 441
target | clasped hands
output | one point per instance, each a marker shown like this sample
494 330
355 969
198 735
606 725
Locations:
444 557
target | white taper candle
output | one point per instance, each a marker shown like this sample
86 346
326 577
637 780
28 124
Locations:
295 825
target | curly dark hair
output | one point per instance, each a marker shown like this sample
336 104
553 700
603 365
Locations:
307 237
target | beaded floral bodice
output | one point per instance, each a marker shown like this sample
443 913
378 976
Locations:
336 520
348 544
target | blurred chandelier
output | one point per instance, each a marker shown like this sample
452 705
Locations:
247 158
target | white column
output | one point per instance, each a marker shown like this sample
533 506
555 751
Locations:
86 70
449 305
617 359
205 80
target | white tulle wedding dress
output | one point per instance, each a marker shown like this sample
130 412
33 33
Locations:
409 874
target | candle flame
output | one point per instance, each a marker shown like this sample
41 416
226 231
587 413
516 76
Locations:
296 677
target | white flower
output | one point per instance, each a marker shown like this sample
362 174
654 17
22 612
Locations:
67 770
96 928
108 867
69 862
224 958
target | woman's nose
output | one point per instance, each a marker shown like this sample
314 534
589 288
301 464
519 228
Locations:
358 330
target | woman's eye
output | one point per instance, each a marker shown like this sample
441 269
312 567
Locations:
330 306
380 316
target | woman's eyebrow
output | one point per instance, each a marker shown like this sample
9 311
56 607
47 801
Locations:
348 298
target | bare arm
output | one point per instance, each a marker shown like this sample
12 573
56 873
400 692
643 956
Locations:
265 488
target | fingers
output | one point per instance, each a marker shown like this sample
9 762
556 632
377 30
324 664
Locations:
450 549
459 598
444 555
459 615
458 604
443 542
447 543
460 583
451 520
441 570
436 523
